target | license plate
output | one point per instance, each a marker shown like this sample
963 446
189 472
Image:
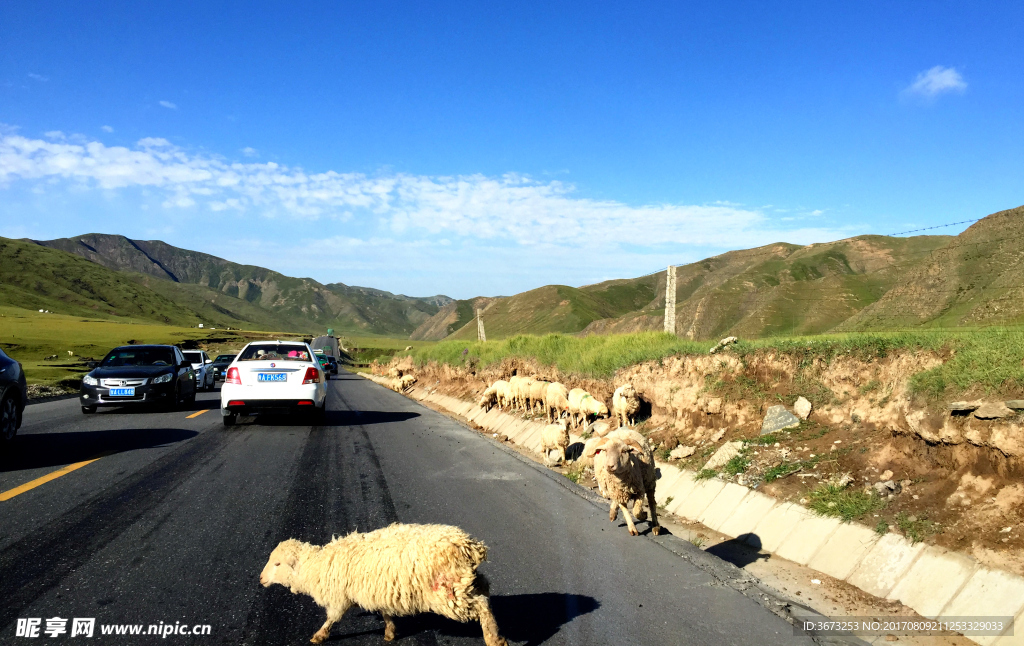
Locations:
122 392
278 376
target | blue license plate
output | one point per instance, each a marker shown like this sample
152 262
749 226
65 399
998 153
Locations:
122 392
272 376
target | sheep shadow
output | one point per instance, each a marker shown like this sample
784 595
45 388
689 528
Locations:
574 451
528 618
38 450
740 551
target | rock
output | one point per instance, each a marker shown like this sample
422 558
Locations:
802 408
1015 404
728 451
681 452
993 410
886 475
778 418
719 434
964 407
887 487
713 405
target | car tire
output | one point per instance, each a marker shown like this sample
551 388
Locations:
8 418
88 410
229 420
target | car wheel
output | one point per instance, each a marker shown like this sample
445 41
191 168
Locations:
8 419
88 410
229 420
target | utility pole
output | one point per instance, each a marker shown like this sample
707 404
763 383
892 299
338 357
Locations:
670 299
480 336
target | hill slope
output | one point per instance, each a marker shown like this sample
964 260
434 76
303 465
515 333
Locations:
266 295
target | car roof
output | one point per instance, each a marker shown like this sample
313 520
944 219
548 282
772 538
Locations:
142 346
275 342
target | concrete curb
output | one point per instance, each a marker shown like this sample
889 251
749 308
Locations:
933 581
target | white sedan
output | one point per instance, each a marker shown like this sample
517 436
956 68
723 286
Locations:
273 377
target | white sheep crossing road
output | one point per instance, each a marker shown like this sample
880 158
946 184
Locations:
175 523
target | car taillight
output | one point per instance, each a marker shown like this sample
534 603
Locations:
233 377
235 402
312 376
306 402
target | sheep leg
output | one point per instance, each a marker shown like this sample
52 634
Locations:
629 521
389 627
653 504
488 624
334 613
638 509
613 512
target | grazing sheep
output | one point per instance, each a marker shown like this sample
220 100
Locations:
521 391
537 391
397 571
556 399
554 437
489 398
395 384
407 381
582 405
576 396
503 389
625 473
626 404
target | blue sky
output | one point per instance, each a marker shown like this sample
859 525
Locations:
487 148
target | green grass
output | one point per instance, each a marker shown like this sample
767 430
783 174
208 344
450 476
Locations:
781 471
844 502
575 473
882 528
705 474
737 465
916 529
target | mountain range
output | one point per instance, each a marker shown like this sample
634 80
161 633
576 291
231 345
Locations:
860 283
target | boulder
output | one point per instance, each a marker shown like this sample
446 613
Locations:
964 407
681 452
713 405
1015 404
778 418
719 434
802 408
728 451
993 410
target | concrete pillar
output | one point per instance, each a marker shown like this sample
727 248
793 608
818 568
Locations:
480 335
670 299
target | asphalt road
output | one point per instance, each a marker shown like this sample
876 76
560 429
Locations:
176 520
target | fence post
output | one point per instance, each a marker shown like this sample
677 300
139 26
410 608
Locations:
480 335
670 299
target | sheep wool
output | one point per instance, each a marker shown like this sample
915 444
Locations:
624 470
400 570
556 400
626 404
554 437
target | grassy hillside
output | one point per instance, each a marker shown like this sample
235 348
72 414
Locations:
301 301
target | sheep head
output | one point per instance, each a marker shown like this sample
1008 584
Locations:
615 455
282 564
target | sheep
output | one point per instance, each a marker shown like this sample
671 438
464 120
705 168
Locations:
521 391
398 571
503 390
554 437
407 381
625 473
626 404
583 404
600 428
489 398
537 390
556 399
395 384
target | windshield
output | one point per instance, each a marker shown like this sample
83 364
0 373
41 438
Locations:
224 358
193 357
138 357
279 352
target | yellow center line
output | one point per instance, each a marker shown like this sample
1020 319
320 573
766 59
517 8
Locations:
10 493
197 414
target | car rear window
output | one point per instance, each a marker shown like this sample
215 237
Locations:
193 357
138 357
224 358
279 352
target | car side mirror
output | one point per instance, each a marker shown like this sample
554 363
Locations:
209 361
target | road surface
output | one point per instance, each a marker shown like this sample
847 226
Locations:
175 521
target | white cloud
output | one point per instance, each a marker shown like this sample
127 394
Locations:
38 77
548 218
106 129
56 135
938 80
250 152
169 105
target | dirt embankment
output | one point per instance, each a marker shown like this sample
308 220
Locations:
957 479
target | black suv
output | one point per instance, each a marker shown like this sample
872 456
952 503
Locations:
13 397
139 374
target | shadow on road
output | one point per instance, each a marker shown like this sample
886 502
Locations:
522 618
740 551
38 450
333 418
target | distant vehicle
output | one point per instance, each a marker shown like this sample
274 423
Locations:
273 377
333 364
201 367
325 363
13 397
220 366
139 374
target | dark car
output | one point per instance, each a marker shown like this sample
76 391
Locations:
140 374
13 397
325 364
220 366
333 364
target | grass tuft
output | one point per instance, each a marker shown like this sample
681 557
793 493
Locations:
705 474
829 499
